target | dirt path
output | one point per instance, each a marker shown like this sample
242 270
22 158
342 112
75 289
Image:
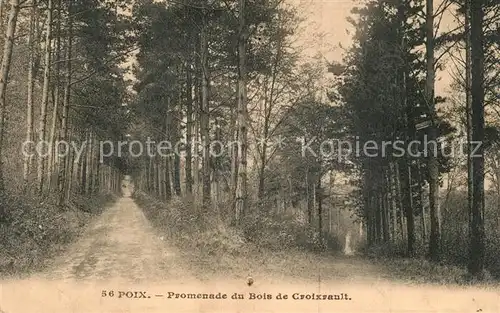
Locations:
120 244
121 252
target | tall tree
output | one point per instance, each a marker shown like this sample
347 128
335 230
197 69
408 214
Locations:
32 45
4 75
476 256
205 110
63 187
242 188
433 166
42 125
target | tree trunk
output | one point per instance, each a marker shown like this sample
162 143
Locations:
158 174
476 257
420 180
393 201
241 190
410 223
313 194
319 197
399 196
155 177
45 95
83 174
433 166
52 162
205 116
149 179
370 233
97 170
217 170
4 77
308 198
403 167
385 210
378 217
468 101
262 147
30 91
166 181
90 164
176 157
234 156
69 177
262 168
64 120
189 130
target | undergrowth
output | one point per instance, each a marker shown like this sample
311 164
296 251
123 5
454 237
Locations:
180 221
33 231
419 270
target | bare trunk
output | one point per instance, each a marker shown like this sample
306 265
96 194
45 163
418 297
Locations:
176 157
31 85
97 170
149 171
158 177
262 167
83 172
385 207
68 183
155 176
90 163
241 190
216 170
468 101
434 240
189 130
4 77
422 208
410 222
234 156
161 171
167 164
308 198
168 186
477 235
393 199
378 218
319 198
64 120
45 96
205 116
52 161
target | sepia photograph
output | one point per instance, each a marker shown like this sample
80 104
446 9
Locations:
249 156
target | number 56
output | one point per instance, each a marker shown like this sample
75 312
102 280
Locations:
107 294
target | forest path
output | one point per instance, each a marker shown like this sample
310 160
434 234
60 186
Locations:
121 244
121 252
